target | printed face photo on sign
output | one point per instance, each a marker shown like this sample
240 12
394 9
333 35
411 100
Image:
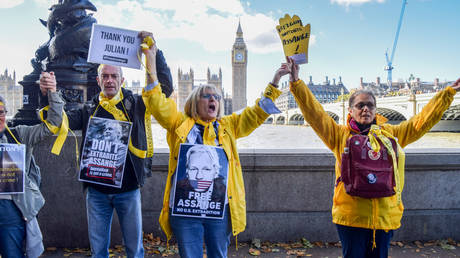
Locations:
201 181
202 167
104 152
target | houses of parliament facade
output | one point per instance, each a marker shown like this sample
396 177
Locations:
11 92
236 101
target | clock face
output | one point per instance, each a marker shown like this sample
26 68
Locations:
239 56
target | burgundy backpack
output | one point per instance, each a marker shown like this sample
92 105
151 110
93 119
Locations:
366 173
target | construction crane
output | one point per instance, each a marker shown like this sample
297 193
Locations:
389 67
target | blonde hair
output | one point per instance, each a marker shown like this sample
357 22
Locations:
3 102
191 104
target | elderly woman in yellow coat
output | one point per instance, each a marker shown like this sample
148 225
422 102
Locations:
202 122
365 225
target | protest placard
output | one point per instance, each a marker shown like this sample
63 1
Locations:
104 152
114 46
200 185
12 167
294 37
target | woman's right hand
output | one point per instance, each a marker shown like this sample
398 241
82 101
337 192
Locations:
456 85
294 75
283 70
150 54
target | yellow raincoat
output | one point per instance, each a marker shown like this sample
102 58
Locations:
377 213
231 127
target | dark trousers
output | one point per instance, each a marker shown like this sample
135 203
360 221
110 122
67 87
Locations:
357 242
12 230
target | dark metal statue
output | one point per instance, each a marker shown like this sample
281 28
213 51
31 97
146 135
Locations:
65 53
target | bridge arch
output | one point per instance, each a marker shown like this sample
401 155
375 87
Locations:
452 113
390 114
280 120
269 120
296 119
334 116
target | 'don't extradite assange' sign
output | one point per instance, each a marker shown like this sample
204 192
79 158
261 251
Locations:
114 46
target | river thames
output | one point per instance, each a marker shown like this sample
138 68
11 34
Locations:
295 137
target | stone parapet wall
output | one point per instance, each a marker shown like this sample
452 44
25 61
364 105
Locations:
288 193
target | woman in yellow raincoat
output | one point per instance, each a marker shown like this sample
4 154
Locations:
365 225
202 122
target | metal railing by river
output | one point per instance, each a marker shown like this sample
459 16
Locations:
303 137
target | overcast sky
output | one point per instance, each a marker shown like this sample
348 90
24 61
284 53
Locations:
349 37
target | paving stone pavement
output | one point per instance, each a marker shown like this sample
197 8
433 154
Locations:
435 249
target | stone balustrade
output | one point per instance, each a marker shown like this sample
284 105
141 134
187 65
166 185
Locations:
288 192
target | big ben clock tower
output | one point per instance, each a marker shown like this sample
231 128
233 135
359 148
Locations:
239 71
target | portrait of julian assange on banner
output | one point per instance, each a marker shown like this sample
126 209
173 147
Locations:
104 152
200 187
12 164
294 37
114 46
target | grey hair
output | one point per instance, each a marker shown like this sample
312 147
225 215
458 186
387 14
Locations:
359 92
99 70
191 104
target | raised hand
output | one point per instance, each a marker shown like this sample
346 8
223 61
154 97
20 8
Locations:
294 75
283 70
47 82
149 48
456 85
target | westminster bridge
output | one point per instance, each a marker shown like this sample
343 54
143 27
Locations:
395 109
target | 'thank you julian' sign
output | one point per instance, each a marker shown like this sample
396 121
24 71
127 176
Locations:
114 46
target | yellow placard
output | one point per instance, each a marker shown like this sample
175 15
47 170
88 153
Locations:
294 37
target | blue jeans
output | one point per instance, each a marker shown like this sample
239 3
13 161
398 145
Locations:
190 232
357 242
12 230
100 212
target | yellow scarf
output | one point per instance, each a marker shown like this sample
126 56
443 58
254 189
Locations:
63 131
209 135
110 106
398 165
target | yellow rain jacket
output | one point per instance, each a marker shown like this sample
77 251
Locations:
347 210
231 127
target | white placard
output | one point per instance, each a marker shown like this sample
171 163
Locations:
114 46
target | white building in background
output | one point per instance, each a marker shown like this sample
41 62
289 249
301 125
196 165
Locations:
11 92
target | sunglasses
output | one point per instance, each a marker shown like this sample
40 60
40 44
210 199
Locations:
208 96
361 105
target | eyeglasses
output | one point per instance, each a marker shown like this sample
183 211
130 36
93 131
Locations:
3 113
208 96
361 105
